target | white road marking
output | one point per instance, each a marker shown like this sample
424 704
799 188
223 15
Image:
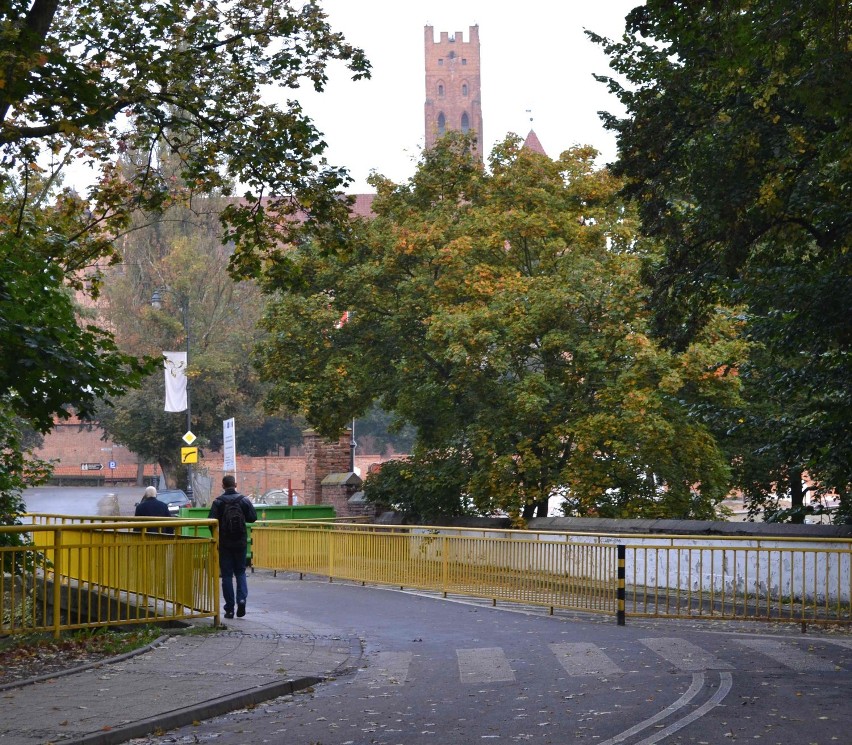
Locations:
788 655
842 642
484 665
685 655
584 659
388 669
725 684
691 693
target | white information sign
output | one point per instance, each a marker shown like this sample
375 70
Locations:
229 445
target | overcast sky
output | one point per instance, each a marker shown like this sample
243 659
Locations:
534 57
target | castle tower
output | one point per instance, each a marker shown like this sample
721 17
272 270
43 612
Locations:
453 88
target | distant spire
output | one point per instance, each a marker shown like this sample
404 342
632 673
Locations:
533 143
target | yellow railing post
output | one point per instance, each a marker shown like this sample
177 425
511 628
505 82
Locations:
445 573
213 573
57 586
620 591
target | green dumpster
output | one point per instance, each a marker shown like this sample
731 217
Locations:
265 514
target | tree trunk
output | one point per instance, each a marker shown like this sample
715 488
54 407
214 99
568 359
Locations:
797 496
535 509
169 474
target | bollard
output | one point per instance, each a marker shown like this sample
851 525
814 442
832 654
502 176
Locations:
622 551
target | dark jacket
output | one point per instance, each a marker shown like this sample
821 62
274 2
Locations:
217 511
153 507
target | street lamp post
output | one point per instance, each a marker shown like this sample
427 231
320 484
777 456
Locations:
157 304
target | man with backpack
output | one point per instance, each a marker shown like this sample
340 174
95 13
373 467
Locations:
233 511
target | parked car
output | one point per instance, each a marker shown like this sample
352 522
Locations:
175 499
277 496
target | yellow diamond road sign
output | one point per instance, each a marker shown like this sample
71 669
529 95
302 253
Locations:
189 438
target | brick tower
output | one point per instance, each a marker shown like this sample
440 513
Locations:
453 90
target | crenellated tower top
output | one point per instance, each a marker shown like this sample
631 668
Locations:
453 86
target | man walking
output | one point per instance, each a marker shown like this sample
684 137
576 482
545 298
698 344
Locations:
233 511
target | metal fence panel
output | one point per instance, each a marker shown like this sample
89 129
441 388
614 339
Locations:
88 572
500 565
743 577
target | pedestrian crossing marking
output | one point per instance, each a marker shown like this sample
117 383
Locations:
788 655
388 669
584 659
484 665
491 665
842 642
684 655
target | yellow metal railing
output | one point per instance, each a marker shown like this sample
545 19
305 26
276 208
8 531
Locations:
83 572
498 565
807 580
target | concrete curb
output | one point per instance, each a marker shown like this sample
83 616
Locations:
86 666
188 715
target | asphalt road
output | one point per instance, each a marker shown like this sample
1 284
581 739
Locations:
436 671
83 500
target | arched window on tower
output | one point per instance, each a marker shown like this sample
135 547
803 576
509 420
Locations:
442 124
465 122
464 89
440 90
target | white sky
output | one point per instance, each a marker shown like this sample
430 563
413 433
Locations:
534 56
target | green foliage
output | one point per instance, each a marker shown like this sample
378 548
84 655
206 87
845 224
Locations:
192 73
52 364
181 255
100 82
269 436
379 432
20 469
500 314
735 148
428 485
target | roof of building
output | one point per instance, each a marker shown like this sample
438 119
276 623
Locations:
533 143
363 206
349 478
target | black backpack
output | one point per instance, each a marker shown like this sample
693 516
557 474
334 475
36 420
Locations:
233 521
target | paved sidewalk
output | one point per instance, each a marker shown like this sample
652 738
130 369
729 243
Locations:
184 678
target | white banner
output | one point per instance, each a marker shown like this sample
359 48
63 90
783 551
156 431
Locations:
229 445
175 364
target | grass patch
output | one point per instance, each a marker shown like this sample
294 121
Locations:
20 648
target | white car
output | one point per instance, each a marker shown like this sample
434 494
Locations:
276 497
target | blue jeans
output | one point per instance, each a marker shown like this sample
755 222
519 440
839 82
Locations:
232 564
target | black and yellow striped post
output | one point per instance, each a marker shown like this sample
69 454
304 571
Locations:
620 590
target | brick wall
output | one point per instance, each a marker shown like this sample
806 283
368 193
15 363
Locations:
453 85
323 457
73 443
337 495
259 475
